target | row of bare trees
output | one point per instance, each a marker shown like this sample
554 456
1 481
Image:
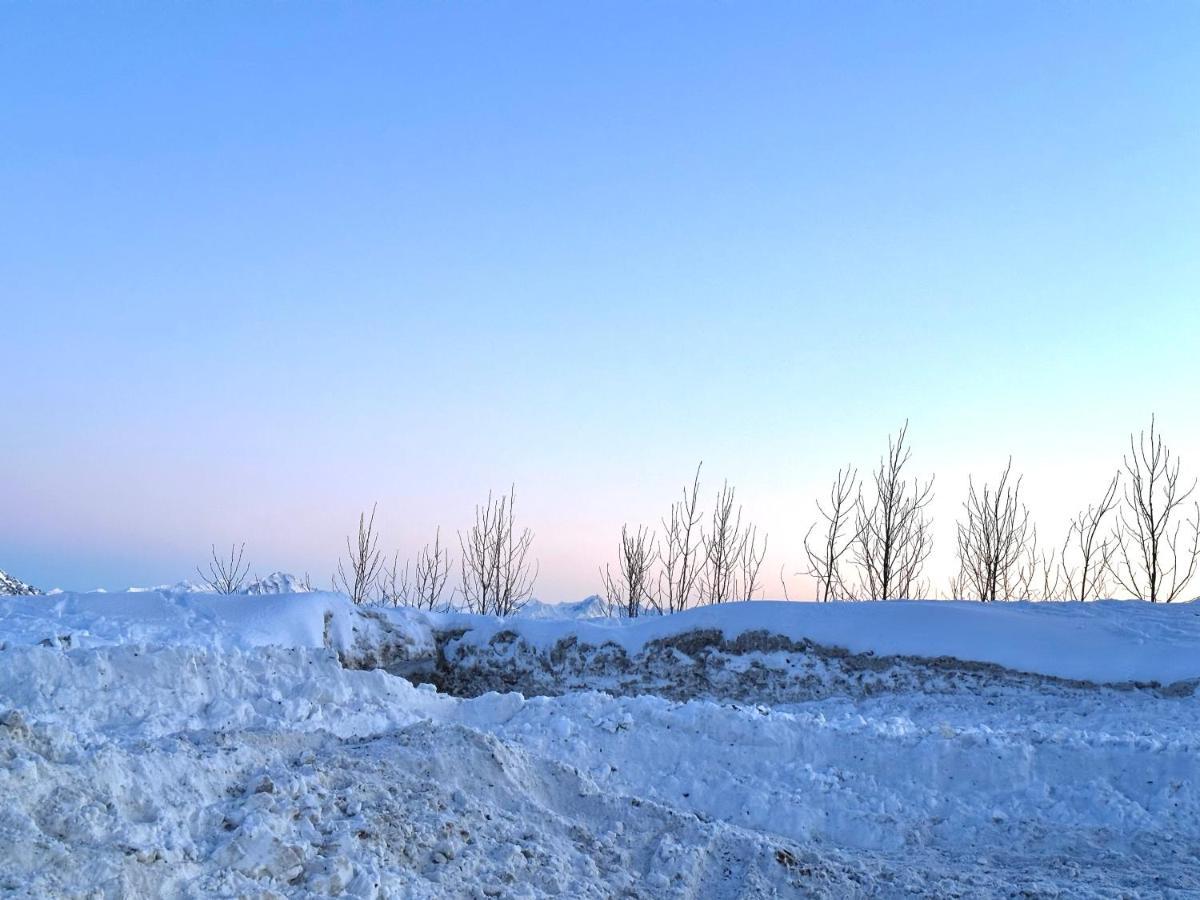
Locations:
1143 539
497 574
872 540
696 562
873 544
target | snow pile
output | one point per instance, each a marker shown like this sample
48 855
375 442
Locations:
1103 642
14 586
276 583
180 744
362 636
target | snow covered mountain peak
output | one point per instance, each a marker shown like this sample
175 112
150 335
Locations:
588 608
277 583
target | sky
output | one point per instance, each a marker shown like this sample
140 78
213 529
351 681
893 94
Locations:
263 265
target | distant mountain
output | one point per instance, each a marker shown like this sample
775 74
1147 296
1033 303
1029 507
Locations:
589 608
276 583
179 587
11 586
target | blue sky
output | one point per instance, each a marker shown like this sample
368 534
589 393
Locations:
264 264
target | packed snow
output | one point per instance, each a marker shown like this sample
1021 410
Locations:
172 743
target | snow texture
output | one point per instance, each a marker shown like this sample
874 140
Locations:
189 745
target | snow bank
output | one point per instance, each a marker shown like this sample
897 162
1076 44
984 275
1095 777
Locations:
1103 642
154 744
362 635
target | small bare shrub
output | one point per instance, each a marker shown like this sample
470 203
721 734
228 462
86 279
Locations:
358 575
226 576
1086 555
630 593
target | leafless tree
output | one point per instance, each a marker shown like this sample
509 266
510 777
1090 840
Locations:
1038 574
723 546
430 574
395 585
1149 560
496 577
919 589
630 593
836 538
226 576
893 536
958 586
994 539
751 563
682 559
358 575
732 554
420 584
1086 555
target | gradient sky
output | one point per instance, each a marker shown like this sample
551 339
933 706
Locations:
262 264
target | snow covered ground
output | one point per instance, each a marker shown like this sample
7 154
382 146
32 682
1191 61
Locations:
180 744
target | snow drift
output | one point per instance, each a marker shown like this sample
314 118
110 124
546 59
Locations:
181 744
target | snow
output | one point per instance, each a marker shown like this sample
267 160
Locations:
276 583
163 743
11 585
589 608
158 618
1105 642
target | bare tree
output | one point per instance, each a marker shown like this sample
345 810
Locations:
836 538
893 536
358 575
630 593
723 547
430 574
226 576
1149 560
421 584
732 554
1038 574
994 539
751 563
681 556
395 585
496 577
1086 555
958 586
